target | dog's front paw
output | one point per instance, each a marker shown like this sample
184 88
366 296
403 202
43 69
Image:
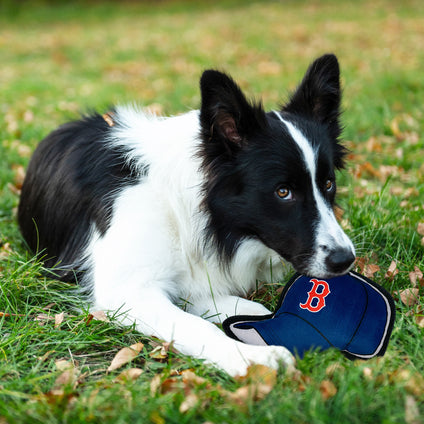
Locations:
237 360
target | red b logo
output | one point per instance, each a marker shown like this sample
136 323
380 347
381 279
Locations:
320 296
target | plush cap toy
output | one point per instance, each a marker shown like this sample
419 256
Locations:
350 313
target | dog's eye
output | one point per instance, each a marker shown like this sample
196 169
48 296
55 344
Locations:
284 193
329 185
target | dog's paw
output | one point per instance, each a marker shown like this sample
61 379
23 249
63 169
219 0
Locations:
236 361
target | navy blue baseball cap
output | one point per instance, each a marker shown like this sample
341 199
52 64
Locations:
350 313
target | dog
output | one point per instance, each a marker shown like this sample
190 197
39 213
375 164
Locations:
175 219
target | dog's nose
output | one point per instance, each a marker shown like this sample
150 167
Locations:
339 261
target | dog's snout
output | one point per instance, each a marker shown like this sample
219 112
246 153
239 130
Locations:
339 260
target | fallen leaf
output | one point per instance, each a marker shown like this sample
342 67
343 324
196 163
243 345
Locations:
333 369
68 377
420 228
261 380
43 318
409 297
413 381
392 271
370 270
125 355
192 379
96 315
159 353
190 401
5 250
155 384
130 374
100 316
19 177
261 374
327 389
416 276
419 316
58 319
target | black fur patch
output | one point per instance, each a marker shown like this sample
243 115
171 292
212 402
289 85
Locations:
71 183
247 154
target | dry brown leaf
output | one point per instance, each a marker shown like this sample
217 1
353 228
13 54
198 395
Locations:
419 319
191 379
100 316
260 381
125 355
5 250
43 318
261 374
420 228
68 376
155 384
392 271
409 297
333 369
19 177
374 145
159 353
413 381
190 401
416 276
131 374
96 315
327 389
58 319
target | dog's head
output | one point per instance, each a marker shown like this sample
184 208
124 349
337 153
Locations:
271 176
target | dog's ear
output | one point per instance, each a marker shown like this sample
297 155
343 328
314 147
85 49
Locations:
226 115
318 96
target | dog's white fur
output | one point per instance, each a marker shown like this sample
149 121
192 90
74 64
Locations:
149 280
140 278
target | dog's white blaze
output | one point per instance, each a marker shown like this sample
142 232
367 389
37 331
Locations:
329 234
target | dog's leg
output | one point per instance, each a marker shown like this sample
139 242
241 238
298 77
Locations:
216 309
156 315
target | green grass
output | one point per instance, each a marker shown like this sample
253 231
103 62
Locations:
58 59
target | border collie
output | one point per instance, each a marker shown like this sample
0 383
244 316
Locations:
174 220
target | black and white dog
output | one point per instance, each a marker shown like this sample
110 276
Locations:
149 213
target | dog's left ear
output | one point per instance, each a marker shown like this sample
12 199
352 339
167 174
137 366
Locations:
226 116
318 95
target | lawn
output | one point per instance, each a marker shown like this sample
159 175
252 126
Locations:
62 58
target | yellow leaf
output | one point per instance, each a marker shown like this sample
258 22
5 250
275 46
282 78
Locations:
327 389
262 374
125 355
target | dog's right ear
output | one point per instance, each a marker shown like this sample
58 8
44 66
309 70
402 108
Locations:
226 116
319 94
